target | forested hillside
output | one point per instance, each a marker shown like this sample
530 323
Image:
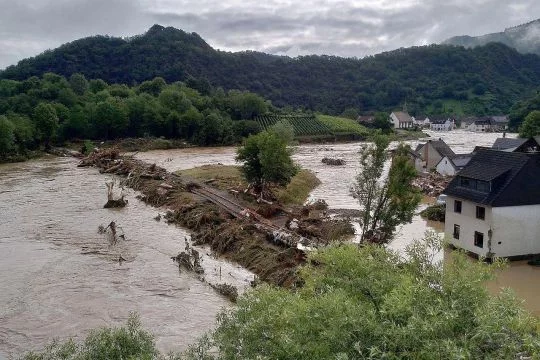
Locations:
52 109
431 79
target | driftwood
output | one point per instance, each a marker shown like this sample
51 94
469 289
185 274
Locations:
333 162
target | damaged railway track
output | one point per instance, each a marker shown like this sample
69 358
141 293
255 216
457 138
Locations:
231 229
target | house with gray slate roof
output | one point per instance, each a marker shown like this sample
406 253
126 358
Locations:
401 120
450 165
432 152
493 205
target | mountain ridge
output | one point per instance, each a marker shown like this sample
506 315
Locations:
525 38
432 79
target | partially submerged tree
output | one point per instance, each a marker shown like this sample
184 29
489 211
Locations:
386 201
266 160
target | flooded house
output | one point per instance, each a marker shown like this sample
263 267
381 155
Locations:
493 205
432 153
442 123
450 165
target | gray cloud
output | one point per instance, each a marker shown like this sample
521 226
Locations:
346 28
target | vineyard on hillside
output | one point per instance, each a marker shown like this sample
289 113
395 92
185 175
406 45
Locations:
304 125
339 125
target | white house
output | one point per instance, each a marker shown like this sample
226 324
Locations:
421 121
445 124
401 120
432 152
450 165
493 205
467 122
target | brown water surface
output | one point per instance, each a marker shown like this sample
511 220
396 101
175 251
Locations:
50 211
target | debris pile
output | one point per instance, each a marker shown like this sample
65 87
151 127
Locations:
189 259
333 162
431 184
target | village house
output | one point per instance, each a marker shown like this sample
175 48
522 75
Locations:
466 122
517 145
443 123
366 120
432 152
450 165
483 124
401 120
421 121
500 123
493 205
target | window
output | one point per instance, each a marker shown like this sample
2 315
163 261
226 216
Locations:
456 231
478 185
480 212
478 239
457 206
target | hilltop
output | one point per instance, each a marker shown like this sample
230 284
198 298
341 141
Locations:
524 38
430 79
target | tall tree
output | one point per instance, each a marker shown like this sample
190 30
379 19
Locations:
531 125
46 121
78 84
386 200
7 136
266 160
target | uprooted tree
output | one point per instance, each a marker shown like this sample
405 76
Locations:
386 200
266 160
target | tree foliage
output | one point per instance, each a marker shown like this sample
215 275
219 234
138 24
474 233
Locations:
386 200
52 109
266 159
531 125
370 303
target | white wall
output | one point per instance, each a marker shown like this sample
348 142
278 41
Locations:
469 224
445 167
394 120
517 229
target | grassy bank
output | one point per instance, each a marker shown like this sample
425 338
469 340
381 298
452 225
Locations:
225 177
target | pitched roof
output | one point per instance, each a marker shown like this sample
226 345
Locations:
507 143
439 121
501 119
514 178
402 116
366 118
442 148
460 160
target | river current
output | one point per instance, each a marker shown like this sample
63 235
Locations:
59 277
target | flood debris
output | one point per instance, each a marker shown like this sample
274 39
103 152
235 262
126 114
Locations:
333 162
111 201
190 259
113 232
431 184
227 290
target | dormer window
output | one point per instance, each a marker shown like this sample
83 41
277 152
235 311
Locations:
473 184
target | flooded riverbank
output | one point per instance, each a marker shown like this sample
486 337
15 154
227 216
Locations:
50 212
337 180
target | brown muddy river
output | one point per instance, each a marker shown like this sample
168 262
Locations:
59 277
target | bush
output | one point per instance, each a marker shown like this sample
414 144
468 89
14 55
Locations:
434 212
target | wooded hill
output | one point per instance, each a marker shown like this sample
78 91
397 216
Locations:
431 79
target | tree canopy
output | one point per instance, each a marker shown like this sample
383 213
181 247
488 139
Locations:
531 125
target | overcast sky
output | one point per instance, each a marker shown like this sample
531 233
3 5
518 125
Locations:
286 27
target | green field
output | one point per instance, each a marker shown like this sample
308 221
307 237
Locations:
339 125
304 125
319 126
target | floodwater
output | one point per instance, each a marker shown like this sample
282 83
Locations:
337 180
60 278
